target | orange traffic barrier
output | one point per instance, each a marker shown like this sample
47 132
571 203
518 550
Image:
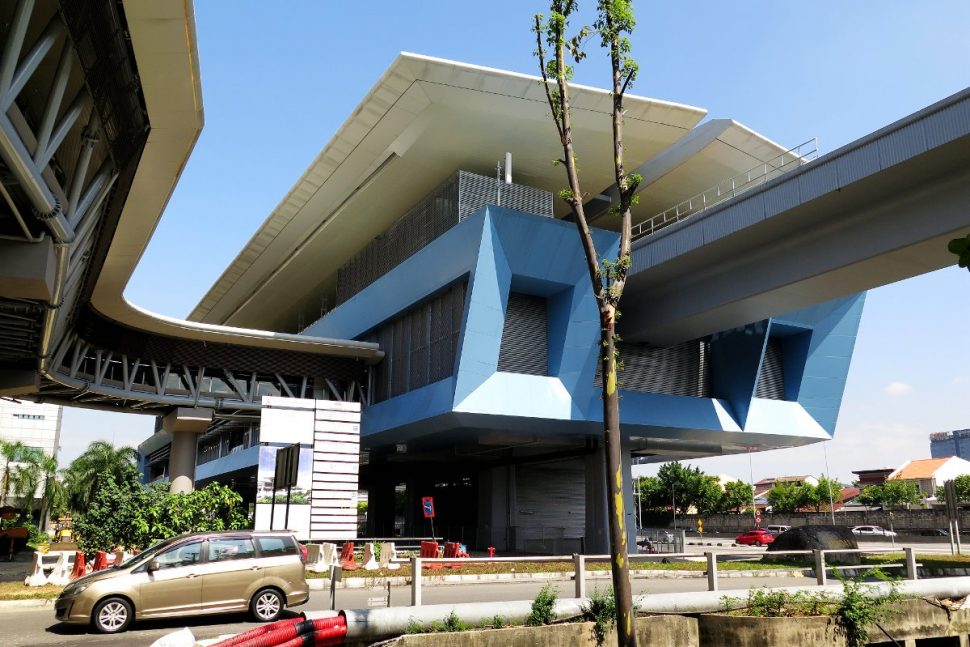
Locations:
100 561
347 561
429 550
78 565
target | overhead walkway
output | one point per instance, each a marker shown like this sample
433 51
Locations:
100 107
873 212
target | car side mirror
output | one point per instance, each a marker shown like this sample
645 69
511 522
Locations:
154 566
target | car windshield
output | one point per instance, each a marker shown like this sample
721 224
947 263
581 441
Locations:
147 554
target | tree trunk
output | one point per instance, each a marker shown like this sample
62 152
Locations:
622 589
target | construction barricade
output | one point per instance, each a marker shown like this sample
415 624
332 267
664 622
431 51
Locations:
388 556
429 550
369 559
347 561
61 574
78 570
37 578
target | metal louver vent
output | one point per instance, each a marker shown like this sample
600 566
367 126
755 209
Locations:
420 345
451 202
676 370
524 344
771 380
550 500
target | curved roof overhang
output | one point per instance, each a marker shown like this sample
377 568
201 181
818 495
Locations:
424 119
163 40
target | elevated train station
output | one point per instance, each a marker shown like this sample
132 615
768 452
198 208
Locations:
447 302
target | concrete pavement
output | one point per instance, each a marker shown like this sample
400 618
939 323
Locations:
35 627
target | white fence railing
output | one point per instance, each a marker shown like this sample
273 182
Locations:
821 568
732 187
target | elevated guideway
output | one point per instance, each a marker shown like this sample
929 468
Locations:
100 107
873 212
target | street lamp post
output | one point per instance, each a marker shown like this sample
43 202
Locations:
673 503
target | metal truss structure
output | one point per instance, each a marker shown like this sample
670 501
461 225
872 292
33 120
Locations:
72 127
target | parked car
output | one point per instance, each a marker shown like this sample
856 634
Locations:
777 530
202 573
756 537
872 531
935 532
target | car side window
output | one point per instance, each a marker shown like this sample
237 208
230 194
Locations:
276 546
184 555
229 548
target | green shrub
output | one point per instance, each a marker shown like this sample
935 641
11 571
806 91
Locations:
454 623
601 611
414 627
861 608
499 622
542 607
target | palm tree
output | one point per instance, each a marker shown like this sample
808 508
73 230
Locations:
26 479
54 498
10 452
87 470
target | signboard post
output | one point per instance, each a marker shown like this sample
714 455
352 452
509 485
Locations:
285 476
427 507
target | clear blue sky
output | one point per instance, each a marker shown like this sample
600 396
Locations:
278 80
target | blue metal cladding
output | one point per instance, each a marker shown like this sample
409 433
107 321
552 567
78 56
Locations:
501 251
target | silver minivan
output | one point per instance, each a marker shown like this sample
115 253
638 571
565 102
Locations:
259 571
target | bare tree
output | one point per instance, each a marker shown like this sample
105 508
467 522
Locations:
615 21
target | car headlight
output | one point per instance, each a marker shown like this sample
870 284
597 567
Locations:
74 589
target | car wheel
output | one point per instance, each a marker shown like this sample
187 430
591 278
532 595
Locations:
267 605
760 543
112 616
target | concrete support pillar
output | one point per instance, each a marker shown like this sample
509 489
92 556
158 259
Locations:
494 507
185 424
597 513
629 501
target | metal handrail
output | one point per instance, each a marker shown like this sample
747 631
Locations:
579 564
790 159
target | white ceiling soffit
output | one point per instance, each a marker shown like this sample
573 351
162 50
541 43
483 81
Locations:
710 154
164 43
424 119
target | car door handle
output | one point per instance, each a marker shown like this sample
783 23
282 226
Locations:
256 568
190 576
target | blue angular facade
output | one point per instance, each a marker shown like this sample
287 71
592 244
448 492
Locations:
772 383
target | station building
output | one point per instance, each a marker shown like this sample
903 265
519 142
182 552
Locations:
428 226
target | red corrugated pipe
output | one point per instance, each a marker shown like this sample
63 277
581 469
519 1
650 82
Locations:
293 632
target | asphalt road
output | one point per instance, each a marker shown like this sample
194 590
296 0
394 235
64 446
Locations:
35 627
30 627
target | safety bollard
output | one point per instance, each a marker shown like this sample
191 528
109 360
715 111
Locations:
579 567
415 581
711 571
820 575
911 572
491 551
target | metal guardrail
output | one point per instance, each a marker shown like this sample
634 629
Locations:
579 564
730 188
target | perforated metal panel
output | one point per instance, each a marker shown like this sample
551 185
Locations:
456 198
771 380
683 369
420 345
476 191
524 344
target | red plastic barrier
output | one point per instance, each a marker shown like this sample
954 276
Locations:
347 561
78 570
100 561
429 550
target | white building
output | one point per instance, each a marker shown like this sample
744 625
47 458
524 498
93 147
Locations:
34 425
930 473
